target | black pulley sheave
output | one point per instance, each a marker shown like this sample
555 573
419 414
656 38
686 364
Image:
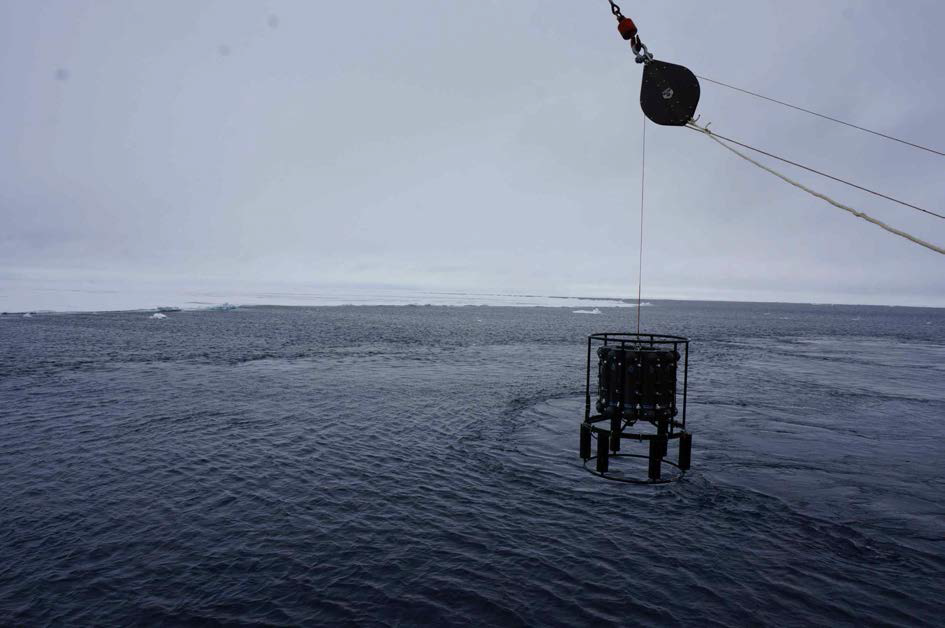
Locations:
669 94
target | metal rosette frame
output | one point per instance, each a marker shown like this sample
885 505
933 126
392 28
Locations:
638 398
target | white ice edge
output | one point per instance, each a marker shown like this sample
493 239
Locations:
62 297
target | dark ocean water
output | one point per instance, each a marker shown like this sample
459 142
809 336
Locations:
418 465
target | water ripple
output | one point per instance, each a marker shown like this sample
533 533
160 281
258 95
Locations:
404 466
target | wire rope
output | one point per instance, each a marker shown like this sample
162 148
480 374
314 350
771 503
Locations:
825 117
642 190
717 138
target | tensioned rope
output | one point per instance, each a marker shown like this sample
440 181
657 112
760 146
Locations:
825 117
830 176
705 130
642 188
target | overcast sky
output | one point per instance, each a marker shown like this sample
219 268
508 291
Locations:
485 146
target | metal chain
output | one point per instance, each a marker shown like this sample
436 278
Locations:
640 52
615 9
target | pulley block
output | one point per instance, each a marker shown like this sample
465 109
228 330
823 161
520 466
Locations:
669 94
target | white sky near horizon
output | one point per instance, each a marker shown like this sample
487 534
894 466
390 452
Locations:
486 147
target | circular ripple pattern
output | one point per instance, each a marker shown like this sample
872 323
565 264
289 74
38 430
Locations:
418 465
